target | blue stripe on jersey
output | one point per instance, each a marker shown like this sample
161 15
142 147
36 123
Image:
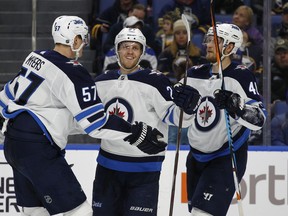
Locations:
97 125
237 144
170 114
88 112
2 104
41 125
8 93
129 166
171 117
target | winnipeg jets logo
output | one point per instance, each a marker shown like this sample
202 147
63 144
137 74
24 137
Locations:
207 115
120 107
116 110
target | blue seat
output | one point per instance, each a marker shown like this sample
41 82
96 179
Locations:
223 18
197 39
280 107
275 24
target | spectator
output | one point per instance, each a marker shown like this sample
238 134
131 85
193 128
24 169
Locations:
276 8
195 10
170 60
138 11
227 6
243 17
279 71
279 130
282 29
165 34
114 14
279 123
246 55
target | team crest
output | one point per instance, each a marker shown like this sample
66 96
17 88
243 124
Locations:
121 108
207 115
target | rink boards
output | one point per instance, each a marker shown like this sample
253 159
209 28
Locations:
264 187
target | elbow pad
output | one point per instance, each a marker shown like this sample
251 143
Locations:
253 117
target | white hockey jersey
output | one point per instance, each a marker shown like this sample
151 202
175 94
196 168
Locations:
61 96
144 95
208 133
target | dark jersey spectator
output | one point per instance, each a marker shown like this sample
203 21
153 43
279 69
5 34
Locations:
132 22
197 12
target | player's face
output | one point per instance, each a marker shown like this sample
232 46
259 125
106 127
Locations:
129 54
211 49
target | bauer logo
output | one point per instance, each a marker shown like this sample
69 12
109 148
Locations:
7 191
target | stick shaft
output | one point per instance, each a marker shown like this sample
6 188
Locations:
187 25
228 126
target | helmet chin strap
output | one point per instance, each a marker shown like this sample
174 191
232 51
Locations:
76 51
128 69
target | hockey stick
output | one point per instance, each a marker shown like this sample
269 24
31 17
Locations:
228 126
187 26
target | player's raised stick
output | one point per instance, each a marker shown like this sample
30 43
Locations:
187 26
229 132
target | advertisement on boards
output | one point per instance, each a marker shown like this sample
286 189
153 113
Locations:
264 187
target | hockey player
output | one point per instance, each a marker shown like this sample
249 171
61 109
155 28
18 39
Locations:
210 184
51 97
127 179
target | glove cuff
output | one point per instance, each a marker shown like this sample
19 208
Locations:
142 136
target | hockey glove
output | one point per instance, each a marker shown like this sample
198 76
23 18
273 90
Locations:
186 97
146 138
230 101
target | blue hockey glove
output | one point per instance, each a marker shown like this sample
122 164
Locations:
146 138
230 101
186 97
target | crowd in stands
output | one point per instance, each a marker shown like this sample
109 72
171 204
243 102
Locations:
167 37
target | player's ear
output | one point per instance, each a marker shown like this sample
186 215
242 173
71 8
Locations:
229 48
77 42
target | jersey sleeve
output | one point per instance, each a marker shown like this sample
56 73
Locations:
80 96
243 82
162 101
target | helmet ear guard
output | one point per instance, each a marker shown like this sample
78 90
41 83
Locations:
230 33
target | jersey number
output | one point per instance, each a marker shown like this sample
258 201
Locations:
89 93
35 82
253 88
